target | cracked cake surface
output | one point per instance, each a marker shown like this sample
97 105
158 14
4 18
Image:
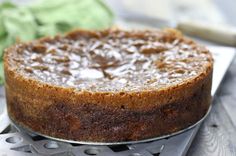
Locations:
109 85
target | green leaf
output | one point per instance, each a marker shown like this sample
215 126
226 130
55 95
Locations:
48 18
19 23
73 13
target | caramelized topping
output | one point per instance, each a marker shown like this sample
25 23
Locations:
112 60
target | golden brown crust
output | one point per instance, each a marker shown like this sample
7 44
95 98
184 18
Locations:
67 113
101 123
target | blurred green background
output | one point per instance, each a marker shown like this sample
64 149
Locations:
48 18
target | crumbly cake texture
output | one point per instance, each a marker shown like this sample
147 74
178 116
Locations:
108 86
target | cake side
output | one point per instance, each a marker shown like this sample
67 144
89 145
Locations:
92 122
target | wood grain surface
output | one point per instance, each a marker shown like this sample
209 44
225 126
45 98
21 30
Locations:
217 135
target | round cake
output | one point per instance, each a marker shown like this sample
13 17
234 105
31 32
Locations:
108 86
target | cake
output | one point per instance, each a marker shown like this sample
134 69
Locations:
109 85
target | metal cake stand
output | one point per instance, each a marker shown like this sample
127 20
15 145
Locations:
16 141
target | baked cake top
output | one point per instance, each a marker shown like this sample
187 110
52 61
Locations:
111 60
